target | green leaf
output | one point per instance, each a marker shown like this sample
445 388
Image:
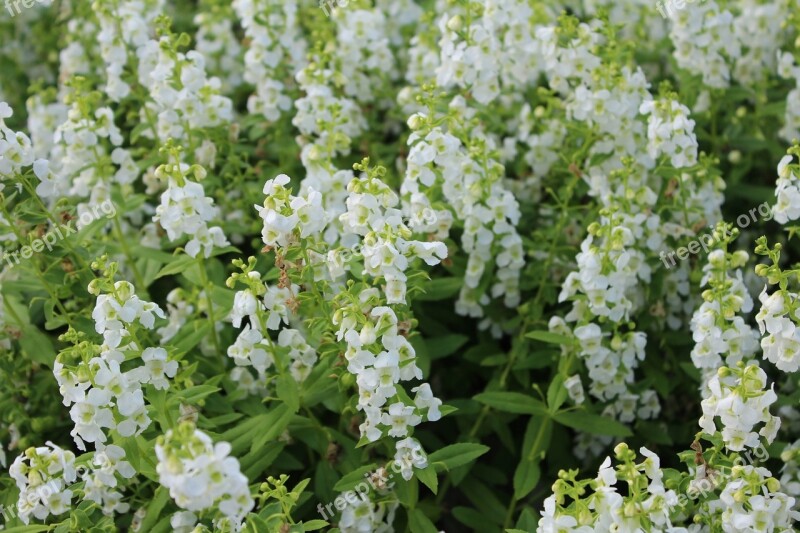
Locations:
313 525
190 336
439 289
255 524
591 423
288 392
526 477
407 491
497 359
257 461
691 370
656 432
194 394
457 454
276 421
151 253
419 523
324 481
485 499
556 393
445 345
154 508
225 250
474 520
37 346
429 478
550 338
353 478
537 438
447 410
137 131
527 520
180 264
513 402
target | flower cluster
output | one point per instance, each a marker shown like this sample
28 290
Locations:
218 42
646 504
368 516
288 218
787 191
470 180
720 333
532 164
670 132
362 54
740 399
124 25
777 319
201 475
183 100
42 475
387 248
185 209
781 343
488 46
272 29
16 150
749 499
380 357
752 501
609 271
706 31
84 145
788 69
100 483
103 396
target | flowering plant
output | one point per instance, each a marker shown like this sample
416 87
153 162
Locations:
376 265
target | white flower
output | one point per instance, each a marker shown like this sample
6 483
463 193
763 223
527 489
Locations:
158 368
203 475
244 305
425 399
399 417
409 455
574 388
42 476
740 399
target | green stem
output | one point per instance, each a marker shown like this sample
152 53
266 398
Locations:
510 514
209 304
131 260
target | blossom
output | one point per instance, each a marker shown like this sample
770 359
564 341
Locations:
201 474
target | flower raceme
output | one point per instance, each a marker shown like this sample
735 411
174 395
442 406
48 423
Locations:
201 475
534 164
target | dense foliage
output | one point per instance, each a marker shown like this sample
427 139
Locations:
355 265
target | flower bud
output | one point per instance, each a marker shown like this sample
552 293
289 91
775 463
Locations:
415 122
455 23
773 484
